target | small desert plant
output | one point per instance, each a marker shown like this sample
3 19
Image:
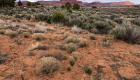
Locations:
77 30
71 58
58 18
94 30
69 10
11 33
128 33
2 31
92 36
76 54
62 6
26 34
48 65
69 68
102 27
22 76
118 20
17 16
72 63
88 70
40 29
28 17
38 36
70 47
94 6
65 57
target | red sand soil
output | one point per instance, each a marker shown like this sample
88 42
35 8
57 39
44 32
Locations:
120 60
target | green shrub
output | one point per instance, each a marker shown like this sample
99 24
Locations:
62 6
19 3
128 33
76 7
73 22
94 6
58 17
41 17
69 10
88 70
37 3
118 20
68 5
28 17
17 16
136 22
28 4
54 7
72 63
69 68
102 27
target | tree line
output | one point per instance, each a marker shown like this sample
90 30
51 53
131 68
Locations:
5 3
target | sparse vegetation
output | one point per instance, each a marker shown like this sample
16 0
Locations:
38 36
88 70
127 33
48 65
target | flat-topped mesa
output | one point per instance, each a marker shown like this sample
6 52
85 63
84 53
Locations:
72 2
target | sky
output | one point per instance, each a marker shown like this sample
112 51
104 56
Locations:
106 1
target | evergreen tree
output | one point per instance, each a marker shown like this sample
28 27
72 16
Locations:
29 4
19 3
68 4
4 3
76 7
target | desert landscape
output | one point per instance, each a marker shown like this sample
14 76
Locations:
69 40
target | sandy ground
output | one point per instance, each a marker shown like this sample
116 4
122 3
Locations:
119 61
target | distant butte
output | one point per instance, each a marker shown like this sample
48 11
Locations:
62 2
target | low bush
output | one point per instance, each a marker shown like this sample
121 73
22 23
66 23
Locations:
11 33
26 34
102 27
28 17
128 33
92 36
136 22
88 70
17 16
38 36
58 18
40 29
72 63
118 20
47 65
69 68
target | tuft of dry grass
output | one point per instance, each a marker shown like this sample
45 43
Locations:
11 33
2 31
40 29
76 54
38 36
71 58
77 30
47 65
26 34
92 36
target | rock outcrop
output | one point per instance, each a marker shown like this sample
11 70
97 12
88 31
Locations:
110 4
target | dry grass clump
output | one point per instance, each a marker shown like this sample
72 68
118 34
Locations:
24 26
83 42
128 33
76 54
34 46
71 58
72 38
79 41
2 31
70 47
43 23
47 65
92 36
94 30
40 29
26 34
38 36
11 33
77 30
